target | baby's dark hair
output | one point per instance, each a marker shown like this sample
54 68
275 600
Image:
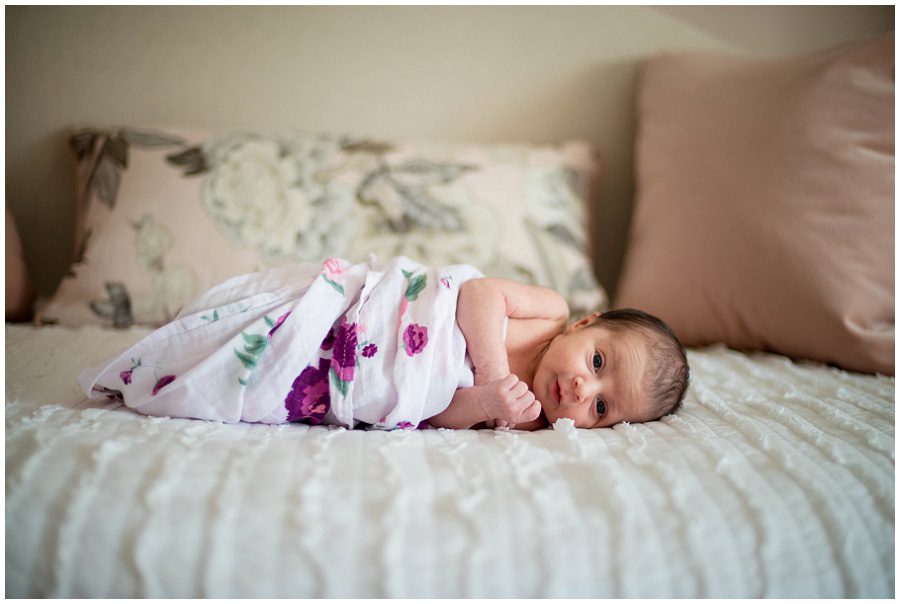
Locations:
669 373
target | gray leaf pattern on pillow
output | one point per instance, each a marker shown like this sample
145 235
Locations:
116 307
403 198
192 160
150 138
107 173
417 208
296 196
112 158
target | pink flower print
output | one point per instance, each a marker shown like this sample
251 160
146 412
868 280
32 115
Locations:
369 350
334 267
126 376
278 324
162 383
415 338
343 359
445 282
405 425
309 399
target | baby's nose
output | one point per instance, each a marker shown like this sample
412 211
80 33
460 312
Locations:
585 389
578 388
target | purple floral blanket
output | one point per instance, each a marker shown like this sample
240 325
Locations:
337 343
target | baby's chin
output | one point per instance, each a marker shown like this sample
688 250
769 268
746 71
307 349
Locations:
551 415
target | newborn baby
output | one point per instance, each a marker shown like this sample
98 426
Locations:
618 366
397 346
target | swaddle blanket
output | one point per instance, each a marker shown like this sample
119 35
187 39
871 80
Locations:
336 343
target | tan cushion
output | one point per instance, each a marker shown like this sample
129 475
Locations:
764 216
19 289
164 214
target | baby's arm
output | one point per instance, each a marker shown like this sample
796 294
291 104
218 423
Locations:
480 310
507 399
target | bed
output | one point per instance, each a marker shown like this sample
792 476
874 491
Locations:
776 480
761 232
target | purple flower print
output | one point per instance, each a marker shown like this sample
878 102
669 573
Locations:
405 425
415 337
343 359
445 282
308 399
328 342
278 324
162 383
126 375
369 350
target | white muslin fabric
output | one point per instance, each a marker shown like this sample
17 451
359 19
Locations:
336 343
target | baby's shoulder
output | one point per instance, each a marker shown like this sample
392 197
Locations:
525 333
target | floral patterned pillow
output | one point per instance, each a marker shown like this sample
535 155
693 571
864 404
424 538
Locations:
164 215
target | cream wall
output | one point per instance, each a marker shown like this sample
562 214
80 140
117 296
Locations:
536 74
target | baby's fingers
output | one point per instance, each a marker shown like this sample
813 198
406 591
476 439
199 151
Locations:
508 381
519 390
527 405
525 397
532 412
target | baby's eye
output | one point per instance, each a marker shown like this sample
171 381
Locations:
601 408
598 361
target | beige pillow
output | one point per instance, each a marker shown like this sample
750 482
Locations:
764 216
164 214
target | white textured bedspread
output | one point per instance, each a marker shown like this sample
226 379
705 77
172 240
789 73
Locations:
776 479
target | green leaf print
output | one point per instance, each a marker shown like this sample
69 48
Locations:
213 319
248 361
254 343
415 287
341 384
336 286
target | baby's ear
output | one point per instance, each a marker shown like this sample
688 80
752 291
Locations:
585 320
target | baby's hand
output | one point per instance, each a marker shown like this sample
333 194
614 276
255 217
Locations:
509 400
488 373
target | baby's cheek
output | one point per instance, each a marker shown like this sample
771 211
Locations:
580 420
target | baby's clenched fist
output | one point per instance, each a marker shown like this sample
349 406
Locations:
508 400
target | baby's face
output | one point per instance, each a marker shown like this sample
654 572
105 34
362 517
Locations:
595 377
